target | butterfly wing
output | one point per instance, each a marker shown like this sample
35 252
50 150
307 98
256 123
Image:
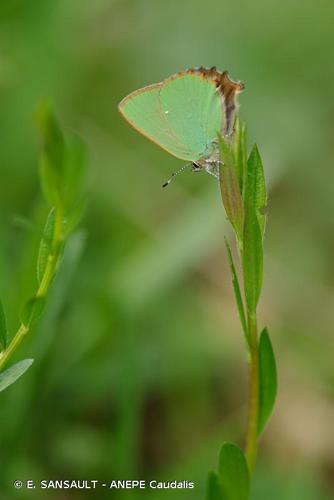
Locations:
142 109
193 110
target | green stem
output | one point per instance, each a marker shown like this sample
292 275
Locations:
44 285
254 381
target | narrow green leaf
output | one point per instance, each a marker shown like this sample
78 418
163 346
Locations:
233 472
45 247
230 189
214 489
75 193
74 216
32 311
75 170
239 149
226 153
3 328
9 376
254 199
256 195
231 196
237 293
268 379
53 154
252 259
244 152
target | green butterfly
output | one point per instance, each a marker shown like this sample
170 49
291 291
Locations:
184 113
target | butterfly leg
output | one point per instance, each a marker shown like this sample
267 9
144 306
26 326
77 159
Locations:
212 167
214 174
214 162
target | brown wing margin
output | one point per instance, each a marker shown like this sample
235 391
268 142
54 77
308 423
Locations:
228 89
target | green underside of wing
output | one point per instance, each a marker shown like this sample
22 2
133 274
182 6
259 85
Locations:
143 111
182 115
193 110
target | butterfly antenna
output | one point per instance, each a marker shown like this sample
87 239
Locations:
174 174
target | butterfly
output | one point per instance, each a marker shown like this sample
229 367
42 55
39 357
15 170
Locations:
184 113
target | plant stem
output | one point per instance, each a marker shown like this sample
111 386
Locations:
254 380
44 285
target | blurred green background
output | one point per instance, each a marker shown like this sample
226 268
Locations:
140 367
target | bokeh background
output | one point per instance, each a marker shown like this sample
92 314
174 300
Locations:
140 366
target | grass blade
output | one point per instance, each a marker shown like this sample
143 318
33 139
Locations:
9 376
233 473
268 379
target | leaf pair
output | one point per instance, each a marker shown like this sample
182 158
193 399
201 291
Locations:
243 193
62 167
62 172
